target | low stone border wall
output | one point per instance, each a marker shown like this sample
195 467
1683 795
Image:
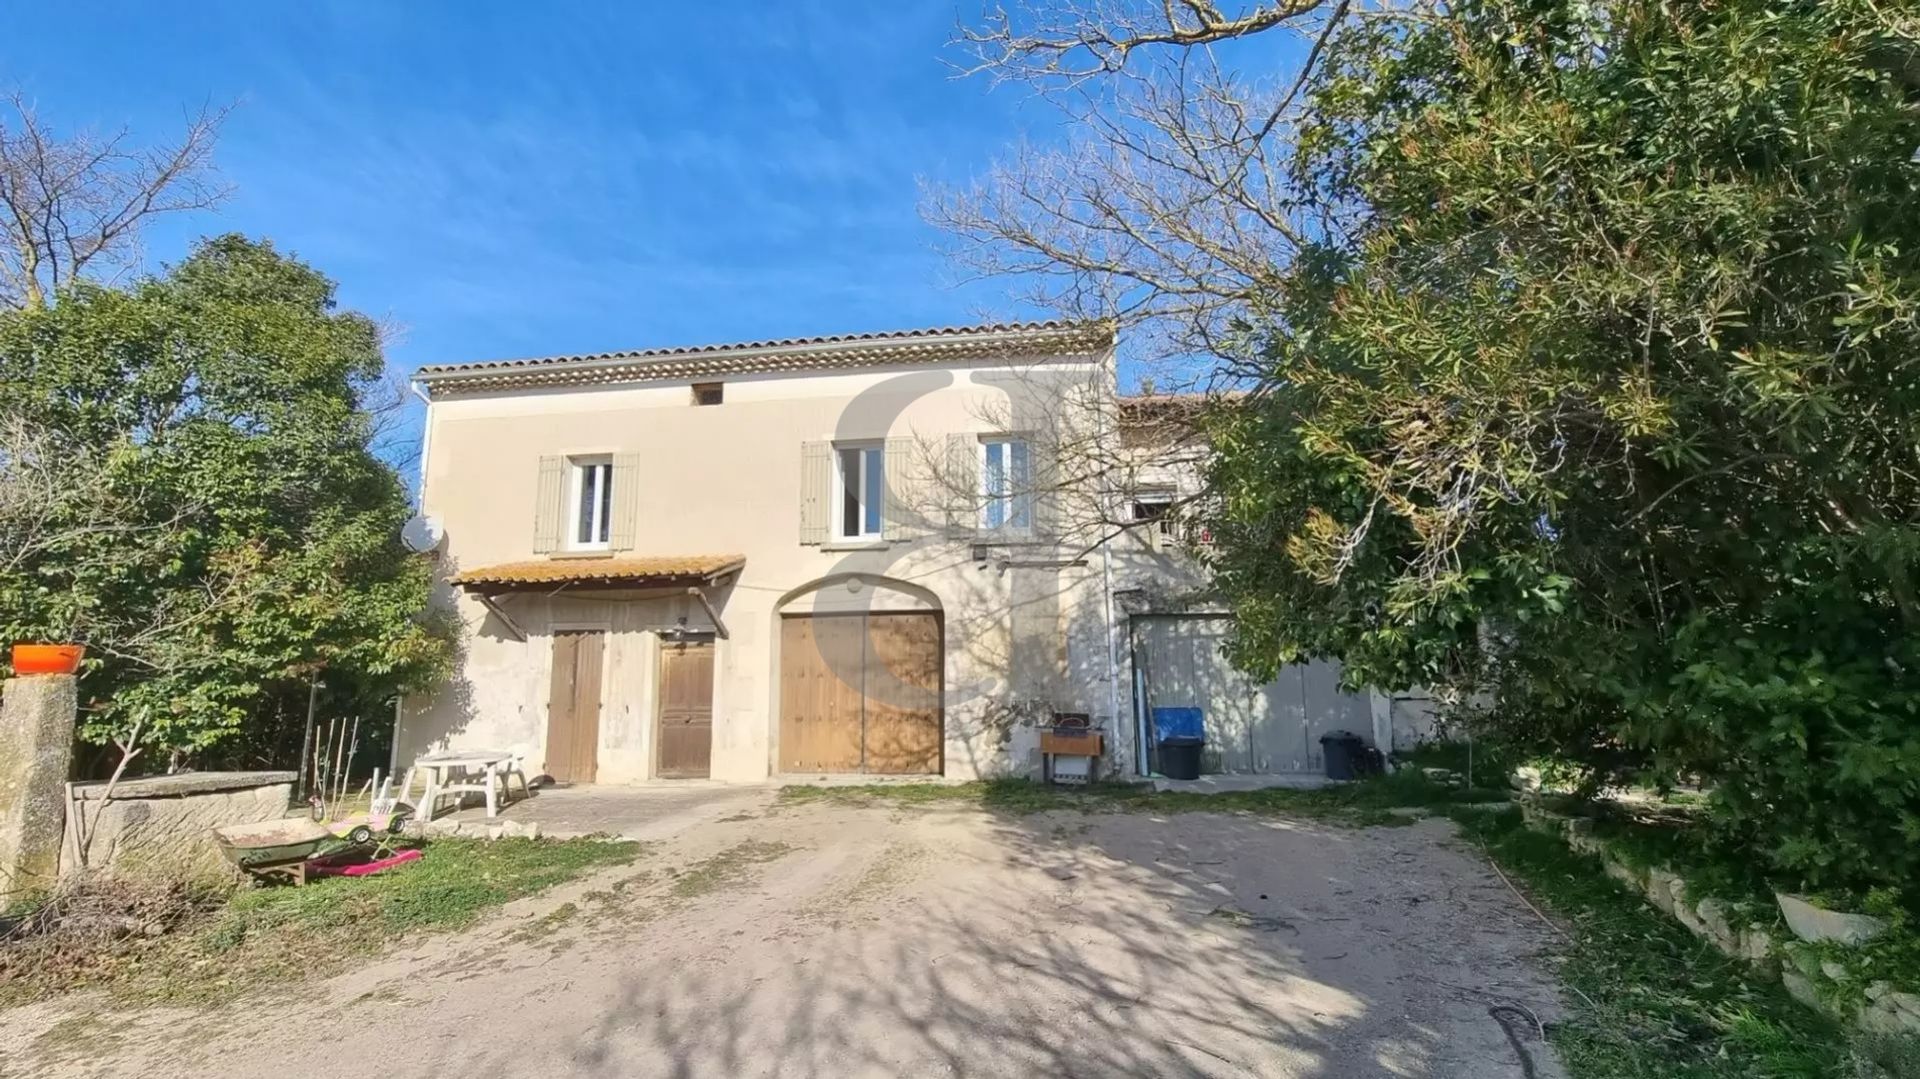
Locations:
475 829
162 826
1749 931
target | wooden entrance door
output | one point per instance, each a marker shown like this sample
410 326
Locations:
861 693
573 705
685 730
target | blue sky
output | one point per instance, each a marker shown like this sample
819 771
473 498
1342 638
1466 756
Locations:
500 183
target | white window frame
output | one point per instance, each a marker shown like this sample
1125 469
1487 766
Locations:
1010 500
872 509
595 472
1164 527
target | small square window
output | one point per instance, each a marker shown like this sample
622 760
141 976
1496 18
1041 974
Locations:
708 393
1155 508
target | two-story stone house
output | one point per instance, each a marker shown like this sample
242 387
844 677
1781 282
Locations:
828 555
788 557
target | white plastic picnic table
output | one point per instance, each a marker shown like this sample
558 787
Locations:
442 778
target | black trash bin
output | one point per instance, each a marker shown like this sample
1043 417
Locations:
1345 754
1180 757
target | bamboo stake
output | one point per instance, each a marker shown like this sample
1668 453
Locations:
346 773
339 750
306 737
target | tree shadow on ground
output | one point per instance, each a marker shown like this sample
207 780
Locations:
1107 944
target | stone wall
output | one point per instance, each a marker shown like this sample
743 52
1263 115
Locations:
36 743
1812 975
162 825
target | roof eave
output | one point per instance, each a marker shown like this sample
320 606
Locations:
497 585
1053 341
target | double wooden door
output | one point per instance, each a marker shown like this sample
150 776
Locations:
685 729
861 693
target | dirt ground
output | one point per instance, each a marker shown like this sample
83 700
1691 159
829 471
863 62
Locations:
825 940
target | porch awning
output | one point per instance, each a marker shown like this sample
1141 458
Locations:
656 571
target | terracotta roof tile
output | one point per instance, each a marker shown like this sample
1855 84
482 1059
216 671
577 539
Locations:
896 347
624 570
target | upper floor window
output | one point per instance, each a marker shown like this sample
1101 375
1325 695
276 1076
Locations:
591 501
1155 508
859 491
709 393
1006 484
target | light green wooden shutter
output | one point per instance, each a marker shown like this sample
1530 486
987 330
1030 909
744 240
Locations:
626 501
1046 489
816 461
547 494
901 512
961 486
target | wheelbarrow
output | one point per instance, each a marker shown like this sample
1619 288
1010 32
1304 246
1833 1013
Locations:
278 849
291 848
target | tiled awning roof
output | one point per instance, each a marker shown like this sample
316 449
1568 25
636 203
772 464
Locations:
633 572
944 344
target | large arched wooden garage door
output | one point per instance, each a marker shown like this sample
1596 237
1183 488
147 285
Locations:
860 692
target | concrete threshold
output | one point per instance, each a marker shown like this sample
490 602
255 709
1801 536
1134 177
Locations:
1221 784
855 779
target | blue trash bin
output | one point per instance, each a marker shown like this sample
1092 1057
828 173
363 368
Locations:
1179 737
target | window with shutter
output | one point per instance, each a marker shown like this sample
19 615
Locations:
549 488
590 504
815 467
902 515
960 484
1006 485
859 490
626 501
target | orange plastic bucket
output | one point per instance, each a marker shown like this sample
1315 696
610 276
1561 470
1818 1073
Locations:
47 658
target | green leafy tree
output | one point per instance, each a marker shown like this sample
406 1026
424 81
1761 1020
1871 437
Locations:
187 486
1595 396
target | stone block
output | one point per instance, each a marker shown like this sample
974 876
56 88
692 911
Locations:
1800 988
1716 927
1625 874
1881 1017
36 751
520 830
1661 885
1816 925
1756 944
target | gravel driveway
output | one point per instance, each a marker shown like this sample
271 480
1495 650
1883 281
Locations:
827 940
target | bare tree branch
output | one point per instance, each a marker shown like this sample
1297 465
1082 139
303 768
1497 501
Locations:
1079 40
76 205
1174 205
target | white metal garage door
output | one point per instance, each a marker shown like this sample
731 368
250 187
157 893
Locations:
1251 728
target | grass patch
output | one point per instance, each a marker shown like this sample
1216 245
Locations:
78 1036
727 869
547 924
1650 999
1364 803
266 935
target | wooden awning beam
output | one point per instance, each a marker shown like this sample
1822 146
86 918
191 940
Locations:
719 627
492 604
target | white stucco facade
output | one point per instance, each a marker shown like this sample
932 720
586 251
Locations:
1027 624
